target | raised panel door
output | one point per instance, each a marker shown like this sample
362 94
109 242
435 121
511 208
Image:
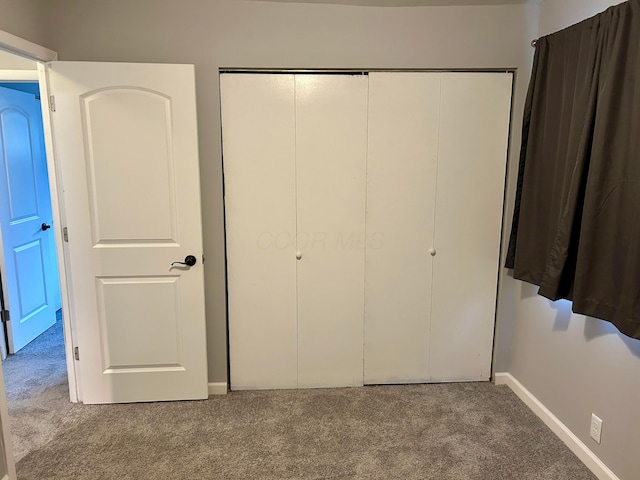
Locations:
126 136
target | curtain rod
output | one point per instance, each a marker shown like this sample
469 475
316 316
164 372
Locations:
533 42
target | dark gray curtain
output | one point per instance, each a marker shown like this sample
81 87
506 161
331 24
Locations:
576 225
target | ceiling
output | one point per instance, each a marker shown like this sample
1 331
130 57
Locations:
411 3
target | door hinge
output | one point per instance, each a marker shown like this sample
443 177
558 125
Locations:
4 316
65 234
52 103
76 353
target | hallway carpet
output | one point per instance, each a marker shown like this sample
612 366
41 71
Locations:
38 393
474 431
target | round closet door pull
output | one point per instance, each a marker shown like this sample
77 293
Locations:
298 254
432 252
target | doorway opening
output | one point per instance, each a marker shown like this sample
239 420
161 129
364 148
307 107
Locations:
32 336
31 287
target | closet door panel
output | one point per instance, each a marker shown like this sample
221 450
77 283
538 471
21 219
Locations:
474 127
401 180
331 143
258 125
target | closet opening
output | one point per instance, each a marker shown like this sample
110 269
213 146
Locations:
413 159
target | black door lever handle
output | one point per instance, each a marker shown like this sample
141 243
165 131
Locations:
45 227
189 261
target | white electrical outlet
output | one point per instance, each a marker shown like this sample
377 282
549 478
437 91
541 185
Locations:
596 428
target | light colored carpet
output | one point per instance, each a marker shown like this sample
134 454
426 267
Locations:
37 392
473 431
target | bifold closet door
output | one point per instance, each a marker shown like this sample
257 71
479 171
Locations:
294 166
331 153
401 182
258 130
437 159
472 155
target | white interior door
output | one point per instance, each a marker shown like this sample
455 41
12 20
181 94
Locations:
126 144
474 131
7 462
404 115
30 276
331 155
258 135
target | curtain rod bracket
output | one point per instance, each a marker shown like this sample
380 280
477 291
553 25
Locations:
533 42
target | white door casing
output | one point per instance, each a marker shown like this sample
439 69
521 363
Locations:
126 143
30 274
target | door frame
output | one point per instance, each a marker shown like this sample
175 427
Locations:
32 51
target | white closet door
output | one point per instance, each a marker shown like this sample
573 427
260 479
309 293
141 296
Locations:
401 179
474 126
258 129
331 144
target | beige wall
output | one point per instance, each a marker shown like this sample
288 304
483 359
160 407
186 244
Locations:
577 365
558 14
10 61
231 33
23 18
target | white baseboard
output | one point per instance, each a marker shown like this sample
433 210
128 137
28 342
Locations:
217 388
576 445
